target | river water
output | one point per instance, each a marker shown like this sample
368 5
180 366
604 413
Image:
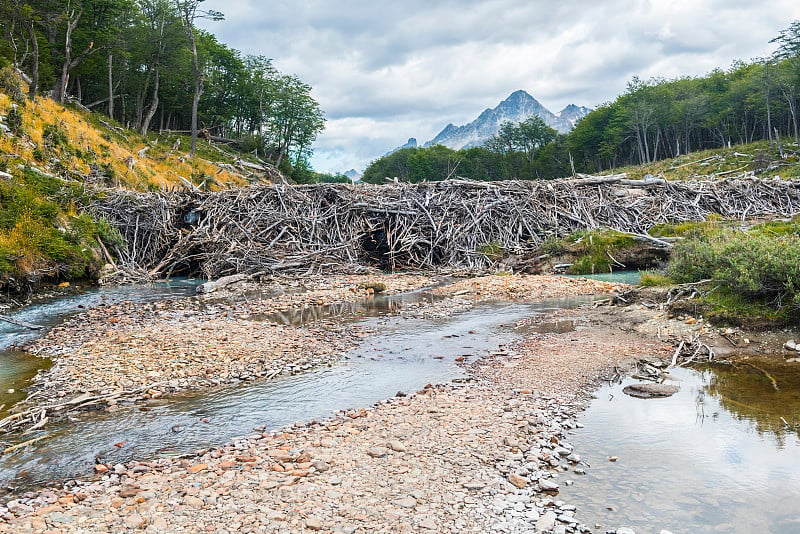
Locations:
715 457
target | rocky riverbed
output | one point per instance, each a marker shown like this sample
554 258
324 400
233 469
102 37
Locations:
130 350
485 455
134 350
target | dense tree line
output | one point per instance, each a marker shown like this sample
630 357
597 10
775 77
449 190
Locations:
148 65
527 150
652 120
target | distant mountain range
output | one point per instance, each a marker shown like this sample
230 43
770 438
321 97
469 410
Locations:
516 108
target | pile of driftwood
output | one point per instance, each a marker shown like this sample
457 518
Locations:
455 223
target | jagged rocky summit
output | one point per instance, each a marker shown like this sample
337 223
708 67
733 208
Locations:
516 108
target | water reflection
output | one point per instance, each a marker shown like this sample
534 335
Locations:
764 392
712 458
366 307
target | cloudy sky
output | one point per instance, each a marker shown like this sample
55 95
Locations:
387 71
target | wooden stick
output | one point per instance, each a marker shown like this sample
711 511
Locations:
24 444
20 323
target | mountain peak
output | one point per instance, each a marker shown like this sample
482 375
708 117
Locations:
572 113
517 107
519 94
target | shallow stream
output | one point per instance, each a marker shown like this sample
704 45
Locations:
405 355
715 457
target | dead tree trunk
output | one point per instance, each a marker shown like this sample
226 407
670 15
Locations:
151 110
110 87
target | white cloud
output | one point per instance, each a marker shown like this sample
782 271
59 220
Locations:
386 71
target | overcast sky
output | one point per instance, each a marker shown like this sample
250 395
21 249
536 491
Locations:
387 71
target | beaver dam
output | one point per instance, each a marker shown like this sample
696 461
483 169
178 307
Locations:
456 223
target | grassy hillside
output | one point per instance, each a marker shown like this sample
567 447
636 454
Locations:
758 158
77 145
54 159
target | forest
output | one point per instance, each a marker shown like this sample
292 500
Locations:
147 65
652 120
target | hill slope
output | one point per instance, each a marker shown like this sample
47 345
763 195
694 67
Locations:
54 160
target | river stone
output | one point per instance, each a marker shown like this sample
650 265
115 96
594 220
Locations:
546 522
58 517
791 345
428 524
548 485
320 465
649 391
313 523
377 452
625 530
406 502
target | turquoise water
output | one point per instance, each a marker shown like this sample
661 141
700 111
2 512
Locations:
623 277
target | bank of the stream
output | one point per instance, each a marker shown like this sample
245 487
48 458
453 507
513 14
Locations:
442 459
491 286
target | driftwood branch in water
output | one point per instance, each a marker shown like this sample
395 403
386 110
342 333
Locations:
23 324
24 444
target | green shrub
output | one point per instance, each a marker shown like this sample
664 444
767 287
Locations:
595 248
778 228
554 246
752 265
11 84
723 306
712 224
493 251
14 121
85 227
654 279
54 138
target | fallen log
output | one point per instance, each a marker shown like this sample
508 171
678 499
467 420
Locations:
225 281
224 140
